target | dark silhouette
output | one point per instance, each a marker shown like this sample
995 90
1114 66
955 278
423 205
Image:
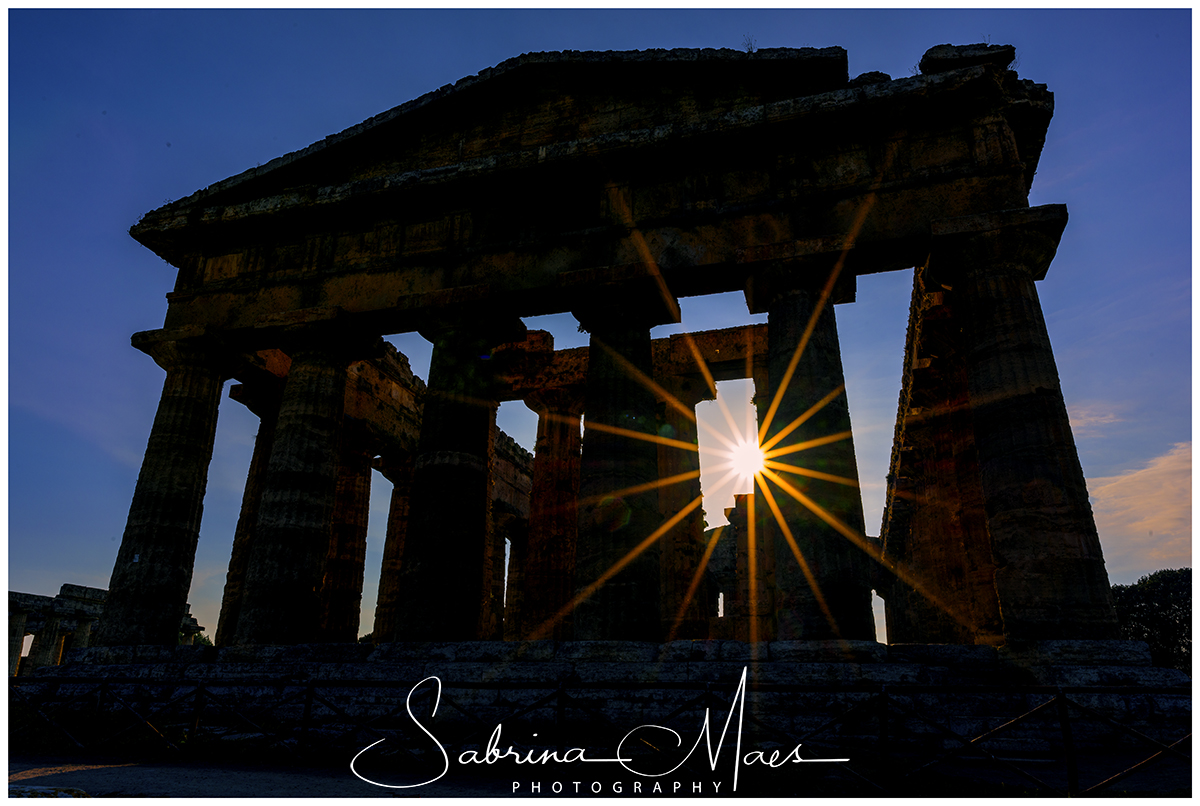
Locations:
1157 609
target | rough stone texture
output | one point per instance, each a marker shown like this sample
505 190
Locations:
342 582
794 687
939 586
447 571
147 593
61 624
618 553
231 600
281 598
753 607
397 470
899 142
941 58
821 570
458 213
683 589
548 580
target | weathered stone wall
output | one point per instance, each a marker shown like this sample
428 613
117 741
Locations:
611 186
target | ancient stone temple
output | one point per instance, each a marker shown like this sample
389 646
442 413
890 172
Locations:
610 186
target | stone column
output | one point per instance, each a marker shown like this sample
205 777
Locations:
47 645
838 568
516 531
16 639
153 571
1050 577
683 545
752 607
387 604
549 562
446 578
616 527
341 589
281 597
264 403
82 637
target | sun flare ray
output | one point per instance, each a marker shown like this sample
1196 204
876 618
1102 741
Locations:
865 545
803 418
795 548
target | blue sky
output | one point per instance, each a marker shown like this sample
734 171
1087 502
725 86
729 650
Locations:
112 113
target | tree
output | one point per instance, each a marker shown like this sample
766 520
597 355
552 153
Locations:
1157 609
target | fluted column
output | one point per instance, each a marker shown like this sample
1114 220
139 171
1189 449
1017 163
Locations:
751 608
281 597
683 616
399 471
83 633
549 560
148 590
341 588
16 638
264 403
832 597
446 590
47 645
1050 577
618 508
516 531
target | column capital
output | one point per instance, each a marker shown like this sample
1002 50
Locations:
642 303
687 389
262 397
1023 241
802 274
198 351
479 326
558 399
336 341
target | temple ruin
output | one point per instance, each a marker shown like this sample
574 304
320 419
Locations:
62 623
611 185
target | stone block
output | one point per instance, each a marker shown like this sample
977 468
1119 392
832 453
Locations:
457 672
952 655
99 655
689 650
415 651
941 58
196 653
741 651
1142 676
631 673
525 671
611 651
725 672
153 654
895 673
807 674
250 653
503 651
1109 653
829 651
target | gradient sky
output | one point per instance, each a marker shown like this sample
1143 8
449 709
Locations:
113 113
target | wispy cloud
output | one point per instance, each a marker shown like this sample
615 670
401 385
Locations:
1089 420
1144 516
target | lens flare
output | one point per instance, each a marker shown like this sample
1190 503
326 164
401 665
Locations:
746 459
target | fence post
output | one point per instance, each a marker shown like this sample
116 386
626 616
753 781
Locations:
883 724
560 708
1064 720
198 706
